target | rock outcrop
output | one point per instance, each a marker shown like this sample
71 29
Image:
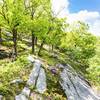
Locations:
75 87
37 78
73 84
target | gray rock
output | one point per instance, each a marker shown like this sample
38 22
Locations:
17 81
31 81
24 94
21 97
1 97
41 82
31 59
34 74
75 88
60 66
26 91
8 34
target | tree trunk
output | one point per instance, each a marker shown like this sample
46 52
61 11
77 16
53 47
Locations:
0 36
35 40
15 41
41 46
43 41
33 43
49 48
52 47
33 36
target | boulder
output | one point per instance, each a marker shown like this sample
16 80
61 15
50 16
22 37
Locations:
17 81
26 91
74 87
41 82
31 59
21 97
34 73
1 97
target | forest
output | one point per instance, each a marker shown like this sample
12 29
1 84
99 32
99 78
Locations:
29 30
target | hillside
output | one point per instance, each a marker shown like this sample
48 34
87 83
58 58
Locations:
43 56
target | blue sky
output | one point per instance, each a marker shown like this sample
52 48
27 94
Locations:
90 5
87 11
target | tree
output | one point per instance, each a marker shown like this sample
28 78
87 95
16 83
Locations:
0 36
52 30
79 44
11 13
94 65
35 9
59 25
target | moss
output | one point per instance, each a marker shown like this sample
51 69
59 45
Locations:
54 90
45 55
10 71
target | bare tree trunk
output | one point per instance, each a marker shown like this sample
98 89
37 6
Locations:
52 47
49 48
41 46
35 40
43 41
33 43
0 36
15 41
33 36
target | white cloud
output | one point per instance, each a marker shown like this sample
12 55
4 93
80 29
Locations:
60 7
92 18
83 16
95 28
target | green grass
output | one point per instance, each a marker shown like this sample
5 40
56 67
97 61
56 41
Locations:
10 71
18 69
